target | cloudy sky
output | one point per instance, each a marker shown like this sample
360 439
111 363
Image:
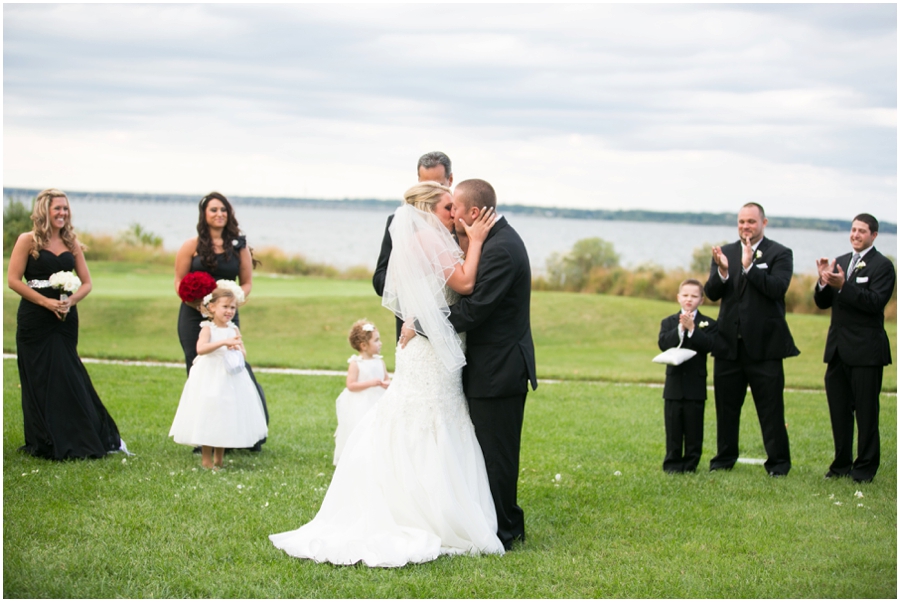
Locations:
665 107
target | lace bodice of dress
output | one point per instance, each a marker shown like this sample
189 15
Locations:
427 394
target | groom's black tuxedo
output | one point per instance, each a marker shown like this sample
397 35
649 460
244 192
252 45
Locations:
753 339
496 318
856 351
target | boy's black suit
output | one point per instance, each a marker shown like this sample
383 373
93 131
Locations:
685 392
856 351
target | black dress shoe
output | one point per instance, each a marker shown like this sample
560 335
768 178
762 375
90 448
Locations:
777 475
862 479
715 468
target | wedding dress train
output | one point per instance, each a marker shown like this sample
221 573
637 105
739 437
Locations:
411 484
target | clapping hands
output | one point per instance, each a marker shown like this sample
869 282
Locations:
827 274
721 261
686 321
746 253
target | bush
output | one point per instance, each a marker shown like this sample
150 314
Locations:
701 259
571 271
277 261
654 282
136 236
16 220
103 247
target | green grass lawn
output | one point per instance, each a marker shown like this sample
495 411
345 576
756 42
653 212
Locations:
614 525
302 322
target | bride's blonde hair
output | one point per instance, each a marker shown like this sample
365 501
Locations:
40 217
425 195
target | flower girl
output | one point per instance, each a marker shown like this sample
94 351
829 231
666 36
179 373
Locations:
367 379
220 407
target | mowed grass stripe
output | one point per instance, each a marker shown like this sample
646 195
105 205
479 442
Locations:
577 336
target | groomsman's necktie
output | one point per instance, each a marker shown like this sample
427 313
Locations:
853 263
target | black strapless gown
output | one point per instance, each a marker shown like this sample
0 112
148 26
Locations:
64 417
189 319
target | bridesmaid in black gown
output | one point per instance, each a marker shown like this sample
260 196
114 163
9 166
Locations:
64 417
220 250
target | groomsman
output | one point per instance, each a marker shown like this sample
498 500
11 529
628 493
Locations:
434 167
856 287
751 277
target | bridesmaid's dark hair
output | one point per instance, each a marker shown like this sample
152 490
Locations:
230 233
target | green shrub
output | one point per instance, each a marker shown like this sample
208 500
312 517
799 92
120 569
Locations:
701 258
16 220
572 271
592 267
137 236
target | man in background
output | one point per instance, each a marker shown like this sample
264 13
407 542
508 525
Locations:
856 286
434 167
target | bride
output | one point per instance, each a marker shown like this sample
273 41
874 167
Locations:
411 484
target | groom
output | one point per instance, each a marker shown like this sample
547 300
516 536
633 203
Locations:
499 351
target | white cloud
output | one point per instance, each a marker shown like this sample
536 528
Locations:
596 105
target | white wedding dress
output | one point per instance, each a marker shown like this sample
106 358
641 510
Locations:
411 483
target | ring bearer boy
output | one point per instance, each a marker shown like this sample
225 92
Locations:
685 389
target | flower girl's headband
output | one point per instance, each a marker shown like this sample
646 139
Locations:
232 286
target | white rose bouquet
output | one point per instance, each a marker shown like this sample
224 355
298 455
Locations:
68 282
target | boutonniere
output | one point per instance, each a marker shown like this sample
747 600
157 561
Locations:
859 266
758 254
703 324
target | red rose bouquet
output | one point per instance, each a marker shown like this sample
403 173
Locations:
195 286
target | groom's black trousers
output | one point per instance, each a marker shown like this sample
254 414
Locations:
498 427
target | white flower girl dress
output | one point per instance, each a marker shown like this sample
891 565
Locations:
351 406
220 406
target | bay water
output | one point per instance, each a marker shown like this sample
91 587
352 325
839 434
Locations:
345 237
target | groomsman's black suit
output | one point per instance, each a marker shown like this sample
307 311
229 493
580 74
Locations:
496 318
685 392
856 351
381 267
753 340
